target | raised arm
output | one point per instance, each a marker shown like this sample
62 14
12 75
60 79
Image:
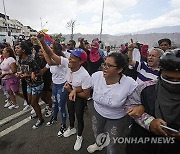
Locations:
130 54
49 60
47 49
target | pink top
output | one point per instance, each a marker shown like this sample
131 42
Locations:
5 66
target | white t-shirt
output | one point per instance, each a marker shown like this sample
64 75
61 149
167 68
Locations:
9 39
67 54
109 100
5 66
59 71
79 78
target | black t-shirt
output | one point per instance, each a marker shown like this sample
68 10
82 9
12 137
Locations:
31 65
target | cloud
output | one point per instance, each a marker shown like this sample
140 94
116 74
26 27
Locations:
175 3
87 14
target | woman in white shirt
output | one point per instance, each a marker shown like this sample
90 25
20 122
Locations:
59 94
111 89
76 77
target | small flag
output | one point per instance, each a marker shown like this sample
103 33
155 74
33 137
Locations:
48 39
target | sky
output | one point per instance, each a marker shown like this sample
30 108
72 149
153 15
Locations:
120 16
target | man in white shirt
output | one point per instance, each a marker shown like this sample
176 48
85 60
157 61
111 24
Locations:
9 39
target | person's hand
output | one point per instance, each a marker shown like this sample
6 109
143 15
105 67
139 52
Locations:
2 75
67 87
72 95
80 39
18 74
156 128
34 40
22 76
136 111
40 36
33 76
131 46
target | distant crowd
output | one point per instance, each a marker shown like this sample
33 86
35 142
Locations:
133 82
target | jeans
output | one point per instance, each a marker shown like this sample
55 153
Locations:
59 101
114 127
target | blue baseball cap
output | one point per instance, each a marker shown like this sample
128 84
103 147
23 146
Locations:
78 52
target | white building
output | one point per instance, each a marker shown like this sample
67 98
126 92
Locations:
15 27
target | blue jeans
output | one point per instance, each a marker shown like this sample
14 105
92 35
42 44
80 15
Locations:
59 101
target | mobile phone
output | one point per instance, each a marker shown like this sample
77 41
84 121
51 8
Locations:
169 129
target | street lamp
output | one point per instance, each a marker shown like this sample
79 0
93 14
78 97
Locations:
5 16
42 25
101 21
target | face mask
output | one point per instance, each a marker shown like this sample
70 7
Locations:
94 49
170 86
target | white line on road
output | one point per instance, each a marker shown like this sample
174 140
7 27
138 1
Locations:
17 125
14 127
16 115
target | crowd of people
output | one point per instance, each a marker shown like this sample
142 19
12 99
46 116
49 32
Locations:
134 82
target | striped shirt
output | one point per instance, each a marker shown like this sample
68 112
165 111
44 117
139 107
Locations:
145 73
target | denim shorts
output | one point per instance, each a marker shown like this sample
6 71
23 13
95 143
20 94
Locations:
35 90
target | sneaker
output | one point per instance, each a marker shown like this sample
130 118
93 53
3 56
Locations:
13 107
33 116
48 112
89 99
61 131
26 107
78 143
25 103
92 148
69 132
33 111
46 108
38 123
7 100
51 122
7 104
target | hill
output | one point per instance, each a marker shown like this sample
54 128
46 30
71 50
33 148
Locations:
150 39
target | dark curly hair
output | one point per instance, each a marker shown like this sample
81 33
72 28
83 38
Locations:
120 60
10 51
26 47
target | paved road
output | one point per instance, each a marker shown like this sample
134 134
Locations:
18 137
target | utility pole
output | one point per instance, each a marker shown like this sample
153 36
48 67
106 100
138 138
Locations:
101 21
5 16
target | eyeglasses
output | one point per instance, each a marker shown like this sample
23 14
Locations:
107 66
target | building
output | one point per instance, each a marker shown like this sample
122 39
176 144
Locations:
15 27
28 31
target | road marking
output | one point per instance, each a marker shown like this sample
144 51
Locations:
14 127
17 125
16 115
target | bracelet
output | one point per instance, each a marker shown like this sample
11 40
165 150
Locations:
148 121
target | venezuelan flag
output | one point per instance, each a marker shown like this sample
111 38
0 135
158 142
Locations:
48 39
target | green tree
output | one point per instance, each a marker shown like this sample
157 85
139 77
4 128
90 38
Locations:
59 37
